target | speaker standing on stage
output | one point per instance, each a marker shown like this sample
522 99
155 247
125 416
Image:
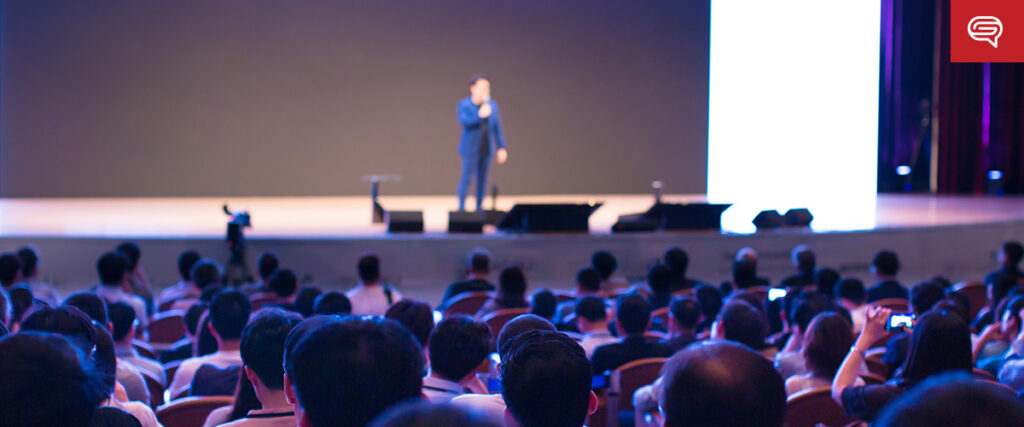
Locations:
482 137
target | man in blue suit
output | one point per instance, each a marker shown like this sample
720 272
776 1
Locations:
482 138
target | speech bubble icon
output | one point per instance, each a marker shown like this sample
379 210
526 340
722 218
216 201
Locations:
985 29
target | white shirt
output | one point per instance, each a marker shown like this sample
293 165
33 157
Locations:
182 289
138 410
145 365
134 384
593 340
492 406
371 300
116 294
187 370
859 316
438 390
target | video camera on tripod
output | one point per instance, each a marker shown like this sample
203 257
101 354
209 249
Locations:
237 271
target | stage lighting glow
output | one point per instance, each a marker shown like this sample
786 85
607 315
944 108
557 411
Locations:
902 170
793 110
995 175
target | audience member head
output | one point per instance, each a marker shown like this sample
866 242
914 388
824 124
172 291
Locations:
740 322
5 313
633 314
519 325
207 273
131 253
940 342
67 321
1010 313
588 280
1011 253
952 306
999 289
458 346
886 265
677 261
262 347
21 303
805 307
90 304
852 291
546 380
747 254
424 414
122 316
591 314
416 316
346 371
306 299
803 259
954 399
369 268
186 261
604 263
710 300
192 317
111 268
332 303
512 284
826 342
825 280
104 359
268 264
229 312
29 258
10 269
479 263
744 273
283 283
543 303
720 383
924 295
684 312
659 278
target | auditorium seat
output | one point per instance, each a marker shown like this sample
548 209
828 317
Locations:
871 378
466 303
156 391
814 406
661 313
983 374
170 368
167 327
625 380
976 293
895 304
498 318
144 349
166 305
190 411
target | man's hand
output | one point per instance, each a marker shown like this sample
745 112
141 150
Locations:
485 110
502 156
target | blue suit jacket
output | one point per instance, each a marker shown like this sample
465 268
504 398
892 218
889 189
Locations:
472 128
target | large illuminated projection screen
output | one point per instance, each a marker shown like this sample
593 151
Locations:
793 109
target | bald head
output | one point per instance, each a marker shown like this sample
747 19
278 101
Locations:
747 254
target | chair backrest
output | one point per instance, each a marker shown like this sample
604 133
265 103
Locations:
498 318
661 313
976 293
983 374
877 366
262 300
810 407
562 296
467 303
682 292
190 411
156 390
170 368
167 327
144 348
626 379
166 305
895 304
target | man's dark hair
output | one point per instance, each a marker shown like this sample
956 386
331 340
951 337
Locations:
511 283
45 382
685 310
826 342
477 77
186 260
369 268
519 325
283 283
605 264
192 316
131 253
954 399
805 259
591 308
677 261
659 278
353 366
111 268
924 295
744 273
425 414
229 312
633 313
10 266
807 305
267 264
589 280
332 303
851 289
543 303
458 345
1014 252
122 316
90 304
65 320
710 300
826 279
546 379
719 383
415 315
743 324
479 262
262 345
886 263
306 299
29 257
207 273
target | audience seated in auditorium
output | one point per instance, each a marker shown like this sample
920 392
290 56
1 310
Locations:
993 344
588 283
417 317
208 277
826 343
543 303
941 342
749 256
744 275
1009 258
633 318
305 299
371 296
477 272
592 322
107 364
185 347
346 371
458 350
123 320
135 276
10 270
885 266
683 316
605 264
923 296
332 303
546 380
721 384
185 288
710 300
741 322
677 262
804 263
423 414
659 279
826 279
266 266
29 258
851 295
228 314
954 400
996 291
112 268
281 287
511 292
1011 370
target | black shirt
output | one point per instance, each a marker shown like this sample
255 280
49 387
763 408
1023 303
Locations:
635 347
471 285
887 289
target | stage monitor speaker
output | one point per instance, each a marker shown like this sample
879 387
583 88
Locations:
548 218
768 220
800 217
466 222
405 221
674 216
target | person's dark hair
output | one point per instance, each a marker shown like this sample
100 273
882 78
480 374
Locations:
591 308
109 416
685 310
719 383
826 342
425 414
415 315
519 325
589 280
806 306
826 279
45 382
205 342
633 314
743 324
192 316
804 259
954 399
941 342
1012 305
546 379
207 273
479 261
245 399
229 312
332 303
267 265
90 304
186 260
710 300
477 77
886 263
1000 288
21 302
851 289
105 359
543 303
131 253
306 299
283 283
458 345
942 281
952 306
744 273
369 268
262 345
122 316
924 295
111 268
659 278
10 266
352 366
29 258
677 260
511 284
65 320
1014 252
605 264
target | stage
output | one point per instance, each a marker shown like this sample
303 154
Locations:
320 237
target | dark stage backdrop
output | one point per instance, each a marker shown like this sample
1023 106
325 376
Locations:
272 98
